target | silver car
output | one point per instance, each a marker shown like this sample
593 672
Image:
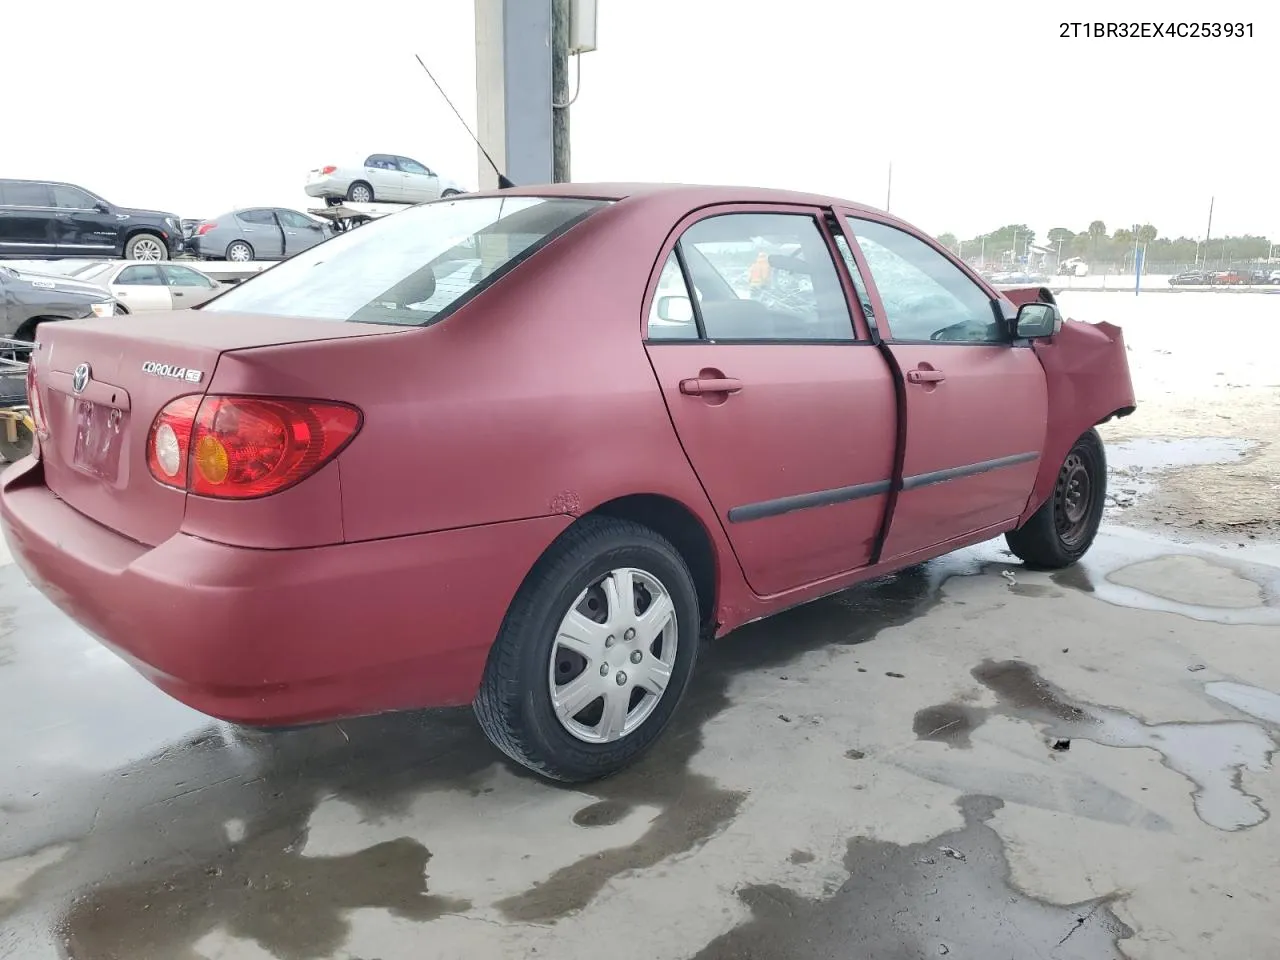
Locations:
141 286
382 178
257 233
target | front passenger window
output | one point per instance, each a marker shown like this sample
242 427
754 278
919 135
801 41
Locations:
926 297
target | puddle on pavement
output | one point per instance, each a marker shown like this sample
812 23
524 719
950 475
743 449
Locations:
922 900
1212 756
1143 571
154 831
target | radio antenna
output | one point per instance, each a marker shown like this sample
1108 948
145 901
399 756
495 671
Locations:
503 182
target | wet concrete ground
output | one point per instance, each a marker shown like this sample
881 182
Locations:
966 759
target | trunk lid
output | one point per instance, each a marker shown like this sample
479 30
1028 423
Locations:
95 457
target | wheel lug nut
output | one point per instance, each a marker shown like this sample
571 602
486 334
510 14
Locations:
630 634
635 656
604 669
609 641
621 678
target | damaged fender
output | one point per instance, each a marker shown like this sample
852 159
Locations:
1087 370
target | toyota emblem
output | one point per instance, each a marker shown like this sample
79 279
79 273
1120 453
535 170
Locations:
80 379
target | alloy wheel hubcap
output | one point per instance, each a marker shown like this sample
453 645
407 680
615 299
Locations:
146 250
613 655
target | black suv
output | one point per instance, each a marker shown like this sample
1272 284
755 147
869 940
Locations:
44 220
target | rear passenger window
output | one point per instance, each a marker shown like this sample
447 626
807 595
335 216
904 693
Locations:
262 217
20 194
671 316
140 277
765 276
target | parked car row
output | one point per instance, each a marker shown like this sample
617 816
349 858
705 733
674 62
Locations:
1225 278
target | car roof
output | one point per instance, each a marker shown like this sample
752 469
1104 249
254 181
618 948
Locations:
695 194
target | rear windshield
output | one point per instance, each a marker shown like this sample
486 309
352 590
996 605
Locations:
411 267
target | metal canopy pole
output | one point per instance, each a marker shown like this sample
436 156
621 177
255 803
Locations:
514 90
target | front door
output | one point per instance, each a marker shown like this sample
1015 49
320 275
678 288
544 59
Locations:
784 408
420 184
300 231
976 401
84 231
187 287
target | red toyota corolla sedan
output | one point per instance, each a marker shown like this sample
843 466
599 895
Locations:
526 449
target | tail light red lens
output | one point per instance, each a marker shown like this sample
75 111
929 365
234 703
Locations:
237 448
327 170
205 228
35 405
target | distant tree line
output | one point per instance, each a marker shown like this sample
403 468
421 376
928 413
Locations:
1098 246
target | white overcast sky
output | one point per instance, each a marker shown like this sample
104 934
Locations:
987 115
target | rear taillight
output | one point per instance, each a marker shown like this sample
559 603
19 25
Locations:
242 447
205 228
34 404
327 170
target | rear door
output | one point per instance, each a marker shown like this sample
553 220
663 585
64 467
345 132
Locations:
420 184
140 287
976 401
187 287
259 228
300 231
28 225
784 408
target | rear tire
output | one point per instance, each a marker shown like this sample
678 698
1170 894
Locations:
536 662
360 192
1064 528
238 251
450 193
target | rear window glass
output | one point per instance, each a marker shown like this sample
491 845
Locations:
412 266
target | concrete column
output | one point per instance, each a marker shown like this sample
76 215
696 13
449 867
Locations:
513 90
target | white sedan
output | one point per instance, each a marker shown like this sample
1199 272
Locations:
143 286
382 178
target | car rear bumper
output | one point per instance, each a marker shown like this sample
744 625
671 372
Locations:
280 637
327 187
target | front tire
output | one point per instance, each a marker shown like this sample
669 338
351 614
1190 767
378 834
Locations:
594 654
1064 528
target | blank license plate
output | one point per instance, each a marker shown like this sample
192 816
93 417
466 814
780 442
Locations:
98 430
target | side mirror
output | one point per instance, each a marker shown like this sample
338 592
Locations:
1037 320
675 309
101 207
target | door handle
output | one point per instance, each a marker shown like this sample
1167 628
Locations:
925 376
698 387
177 294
